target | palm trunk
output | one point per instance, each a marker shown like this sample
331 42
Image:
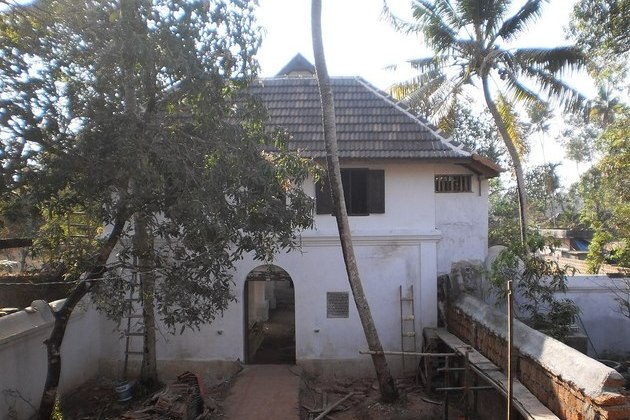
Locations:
62 316
387 387
516 160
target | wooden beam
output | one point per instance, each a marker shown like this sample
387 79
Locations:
15 243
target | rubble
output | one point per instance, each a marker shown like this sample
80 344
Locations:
182 400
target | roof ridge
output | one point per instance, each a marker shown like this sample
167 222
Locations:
415 118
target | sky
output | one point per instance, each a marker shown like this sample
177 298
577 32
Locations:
359 42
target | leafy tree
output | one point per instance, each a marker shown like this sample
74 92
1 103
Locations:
471 41
503 224
132 114
578 139
539 115
601 28
606 193
537 281
606 104
570 205
387 387
477 132
544 185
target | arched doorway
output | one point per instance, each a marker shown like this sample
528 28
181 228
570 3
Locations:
269 298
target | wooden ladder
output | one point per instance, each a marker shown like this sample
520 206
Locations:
135 325
408 342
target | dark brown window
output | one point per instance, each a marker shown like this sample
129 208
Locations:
364 192
453 183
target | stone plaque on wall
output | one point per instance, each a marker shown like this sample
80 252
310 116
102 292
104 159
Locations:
337 304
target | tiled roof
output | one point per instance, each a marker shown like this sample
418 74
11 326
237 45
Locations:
370 125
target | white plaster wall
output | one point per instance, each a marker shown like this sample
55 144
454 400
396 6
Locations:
384 263
400 247
462 218
23 356
409 202
609 330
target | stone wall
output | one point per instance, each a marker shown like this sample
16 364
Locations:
572 385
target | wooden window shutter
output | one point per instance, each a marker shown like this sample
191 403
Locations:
323 201
376 191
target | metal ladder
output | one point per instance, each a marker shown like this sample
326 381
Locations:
408 341
133 329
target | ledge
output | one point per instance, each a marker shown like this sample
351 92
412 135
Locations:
368 238
584 373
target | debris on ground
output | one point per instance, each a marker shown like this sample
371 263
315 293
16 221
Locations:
182 400
348 399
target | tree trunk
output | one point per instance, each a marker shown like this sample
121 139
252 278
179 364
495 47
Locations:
62 316
142 237
143 249
387 387
516 160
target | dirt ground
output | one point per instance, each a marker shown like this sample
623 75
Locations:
98 400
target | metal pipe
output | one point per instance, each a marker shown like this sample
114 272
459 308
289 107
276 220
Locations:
408 353
510 378
461 388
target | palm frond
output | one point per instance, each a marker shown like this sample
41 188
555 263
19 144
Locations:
484 15
428 64
514 25
520 92
557 90
442 9
426 88
495 11
509 116
552 60
444 99
435 18
397 23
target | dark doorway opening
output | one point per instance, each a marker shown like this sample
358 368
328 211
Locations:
269 316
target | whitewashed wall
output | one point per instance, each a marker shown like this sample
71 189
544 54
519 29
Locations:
462 218
23 356
400 247
608 329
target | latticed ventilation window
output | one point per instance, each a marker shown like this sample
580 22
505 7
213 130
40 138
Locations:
453 183
337 304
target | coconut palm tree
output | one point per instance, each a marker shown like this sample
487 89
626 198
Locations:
606 105
471 44
387 387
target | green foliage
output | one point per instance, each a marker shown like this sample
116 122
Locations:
578 138
605 189
475 131
597 250
140 108
471 42
544 185
601 28
503 216
536 281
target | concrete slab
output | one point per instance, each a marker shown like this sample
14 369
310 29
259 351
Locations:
264 392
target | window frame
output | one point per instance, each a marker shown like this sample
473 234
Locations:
374 194
452 183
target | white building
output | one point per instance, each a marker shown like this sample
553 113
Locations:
417 203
